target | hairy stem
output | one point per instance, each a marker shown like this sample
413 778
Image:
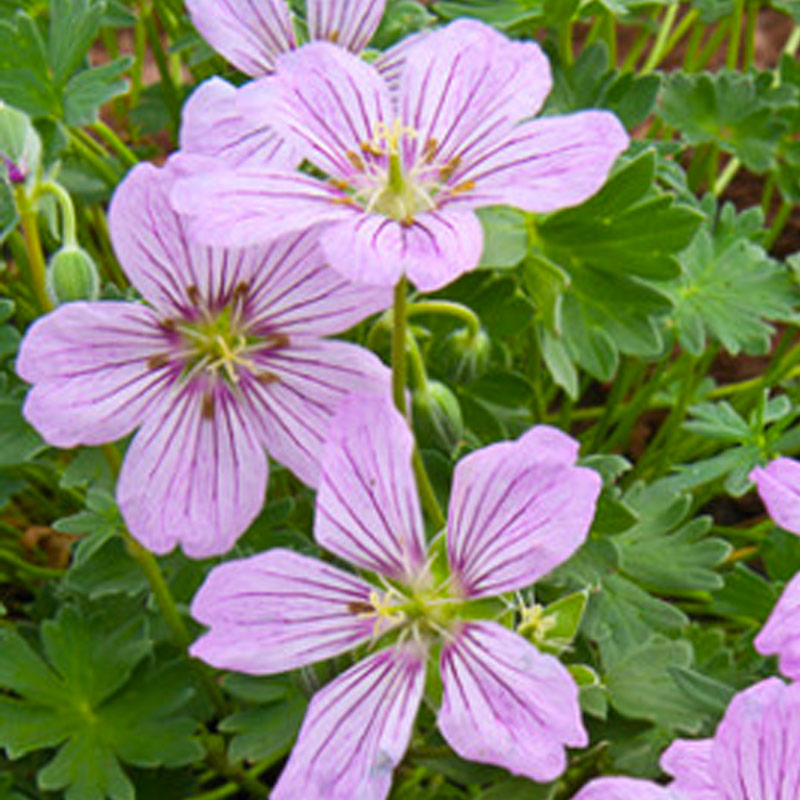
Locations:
33 249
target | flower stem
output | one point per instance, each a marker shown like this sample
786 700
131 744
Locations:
751 28
735 39
121 150
33 249
68 227
778 224
399 378
659 48
217 758
447 308
399 343
728 174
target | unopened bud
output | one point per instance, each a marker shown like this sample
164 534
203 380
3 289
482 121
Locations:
437 416
16 172
467 354
72 275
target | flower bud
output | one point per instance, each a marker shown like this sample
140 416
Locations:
467 354
72 275
437 416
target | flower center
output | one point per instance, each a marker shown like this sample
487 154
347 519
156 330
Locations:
396 178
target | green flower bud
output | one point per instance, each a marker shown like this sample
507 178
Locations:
467 354
72 275
437 416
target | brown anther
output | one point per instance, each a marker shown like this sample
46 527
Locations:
467 186
158 361
447 171
356 160
265 378
431 148
342 186
407 222
167 324
240 292
193 294
360 608
345 201
333 36
208 406
370 149
277 341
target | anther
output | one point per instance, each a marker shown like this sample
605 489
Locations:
447 171
193 294
265 377
208 406
157 361
240 292
431 148
360 608
466 186
356 160
342 186
370 149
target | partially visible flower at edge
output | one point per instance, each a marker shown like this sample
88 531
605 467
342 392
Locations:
517 510
225 361
252 35
409 160
778 485
752 756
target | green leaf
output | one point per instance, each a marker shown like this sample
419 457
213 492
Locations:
505 237
591 82
95 698
746 596
730 288
90 89
641 686
19 442
742 114
617 250
501 13
74 24
663 549
706 694
20 142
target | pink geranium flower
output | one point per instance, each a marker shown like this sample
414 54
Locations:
226 360
252 35
753 755
403 162
778 485
780 635
517 510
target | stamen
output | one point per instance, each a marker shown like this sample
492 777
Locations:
193 294
431 148
265 378
342 186
356 160
208 406
158 361
466 186
447 171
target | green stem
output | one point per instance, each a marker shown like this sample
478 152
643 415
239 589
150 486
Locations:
121 150
140 51
33 570
712 45
735 40
693 48
216 757
419 375
167 85
69 229
86 148
610 37
636 50
751 27
448 309
680 31
399 343
109 261
33 249
228 789
400 336
778 224
793 43
728 174
658 51
565 43
766 195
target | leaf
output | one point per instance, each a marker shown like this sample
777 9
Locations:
90 89
745 596
95 698
641 686
19 442
74 24
730 289
744 115
617 250
663 549
505 239
591 82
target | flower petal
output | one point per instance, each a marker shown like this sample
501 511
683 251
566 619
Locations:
391 62
251 206
295 291
517 510
367 505
755 746
292 410
506 703
214 126
689 761
278 611
545 164
467 86
348 23
626 789
356 730
194 476
433 251
156 252
251 34
779 486
330 101
781 634
89 366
